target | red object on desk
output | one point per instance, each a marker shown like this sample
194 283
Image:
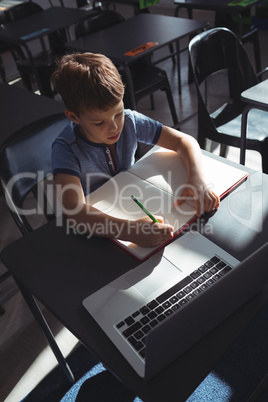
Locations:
141 48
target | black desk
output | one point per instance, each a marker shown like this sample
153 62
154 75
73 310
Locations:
221 6
61 270
20 107
36 26
257 95
114 42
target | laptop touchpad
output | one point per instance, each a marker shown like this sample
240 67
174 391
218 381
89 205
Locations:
147 279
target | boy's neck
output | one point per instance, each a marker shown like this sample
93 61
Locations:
112 148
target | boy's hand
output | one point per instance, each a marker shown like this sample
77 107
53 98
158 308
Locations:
204 198
149 234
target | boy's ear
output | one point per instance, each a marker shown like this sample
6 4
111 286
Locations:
71 116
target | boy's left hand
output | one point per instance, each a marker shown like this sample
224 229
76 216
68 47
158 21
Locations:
204 198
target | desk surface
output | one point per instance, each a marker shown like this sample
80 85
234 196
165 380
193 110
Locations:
119 39
20 107
218 5
61 270
257 95
40 24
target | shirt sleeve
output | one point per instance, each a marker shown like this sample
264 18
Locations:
63 159
147 130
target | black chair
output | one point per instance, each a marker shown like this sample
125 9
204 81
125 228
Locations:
2 69
144 77
213 53
249 33
88 3
25 162
44 61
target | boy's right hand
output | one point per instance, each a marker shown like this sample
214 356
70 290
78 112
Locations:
146 233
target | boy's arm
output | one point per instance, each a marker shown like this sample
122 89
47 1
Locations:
188 149
142 231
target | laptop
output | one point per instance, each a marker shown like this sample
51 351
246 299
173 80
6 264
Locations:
174 299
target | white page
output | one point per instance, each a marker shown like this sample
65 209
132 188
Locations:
165 169
146 180
114 198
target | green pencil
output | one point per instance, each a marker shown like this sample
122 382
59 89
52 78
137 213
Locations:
144 209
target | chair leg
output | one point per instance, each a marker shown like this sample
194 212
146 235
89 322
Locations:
223 150
172 107
2 71
264 156
253 37
201 137
171 49
2 310
152 101
257 54
46 330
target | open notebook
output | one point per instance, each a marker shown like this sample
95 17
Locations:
156 180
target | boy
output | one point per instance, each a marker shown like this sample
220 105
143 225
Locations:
101 141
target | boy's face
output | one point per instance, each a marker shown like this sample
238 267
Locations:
101 127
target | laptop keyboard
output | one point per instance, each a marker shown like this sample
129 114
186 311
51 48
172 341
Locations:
136 326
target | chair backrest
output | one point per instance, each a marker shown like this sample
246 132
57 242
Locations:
81 3
21 10
96 20
25 162
215 51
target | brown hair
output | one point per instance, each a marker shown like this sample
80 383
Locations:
88 81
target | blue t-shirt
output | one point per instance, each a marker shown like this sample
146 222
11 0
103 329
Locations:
73 154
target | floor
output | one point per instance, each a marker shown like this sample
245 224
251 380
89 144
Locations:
24 355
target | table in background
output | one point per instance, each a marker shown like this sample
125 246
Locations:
61 270
25 30
255 97
222 6
116 41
